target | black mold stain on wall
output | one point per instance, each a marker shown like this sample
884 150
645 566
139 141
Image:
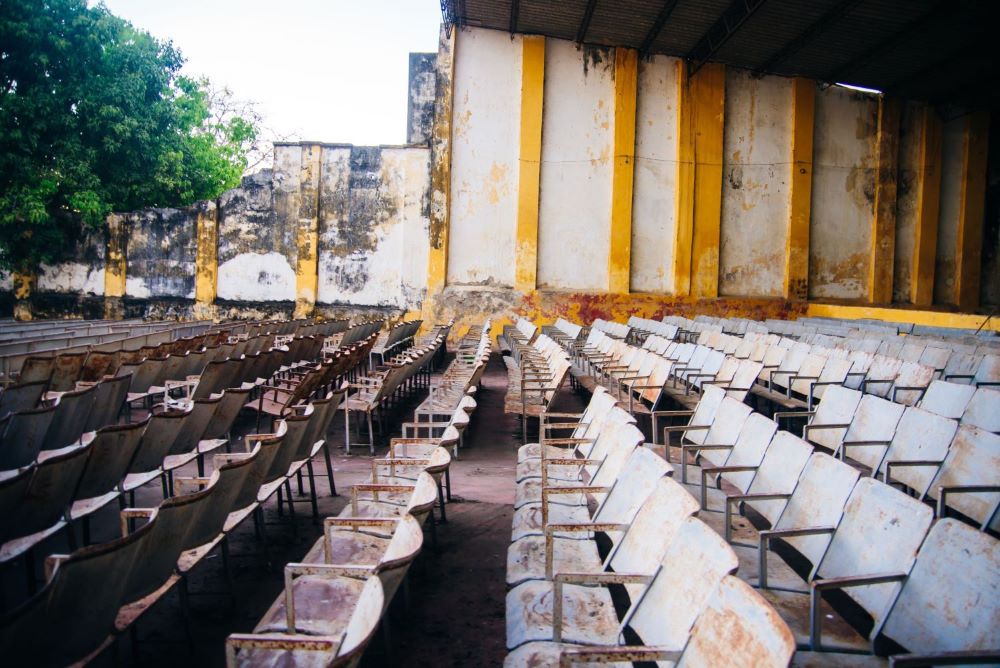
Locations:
247 221
161 249
420 98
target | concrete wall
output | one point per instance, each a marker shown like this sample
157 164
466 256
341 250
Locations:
575 207
951 181
907 201
755 188
373 225
420 98
843 193
485 159
655 178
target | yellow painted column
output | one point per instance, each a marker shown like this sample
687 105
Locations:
928 189
883 241
708 101
307 262
796 282
114 268
529 161
24 285
620 255
206 275
437 260
972 200
684 197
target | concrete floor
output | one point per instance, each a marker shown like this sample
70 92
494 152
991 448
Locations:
454 615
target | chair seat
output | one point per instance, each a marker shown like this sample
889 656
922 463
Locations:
84 507
235 518
531 451
191 558
375 509
530 491
527 520
136 480
542 653
588 614
526 558
17 546
174 462
323 606
794 609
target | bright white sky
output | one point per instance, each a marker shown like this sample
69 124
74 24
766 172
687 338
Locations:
323 70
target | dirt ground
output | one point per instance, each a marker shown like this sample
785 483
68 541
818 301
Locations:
451 613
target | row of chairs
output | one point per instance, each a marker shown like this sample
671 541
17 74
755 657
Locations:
535 372
672 570
856 533
358 564
399 337
99 592
375 393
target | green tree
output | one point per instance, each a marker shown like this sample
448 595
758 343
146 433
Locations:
94 118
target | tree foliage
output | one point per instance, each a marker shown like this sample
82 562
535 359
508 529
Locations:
95 118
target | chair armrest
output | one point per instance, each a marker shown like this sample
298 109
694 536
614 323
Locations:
817 586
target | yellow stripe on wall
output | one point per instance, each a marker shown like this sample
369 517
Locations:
529 160
620 254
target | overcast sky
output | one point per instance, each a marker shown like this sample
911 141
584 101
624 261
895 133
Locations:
324 70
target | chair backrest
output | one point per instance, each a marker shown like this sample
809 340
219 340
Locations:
98 365
194 425
779 472
726 428
738 628
157 440
704 413
973 459
50 492
984 409
36 369
640 475
70 418
222 420
695 561
613 446
111 452
66 371
752 443
947 399
651 530
109 397
875 420
22 436
266 449
951 600
920 436
818 501
157 560
12 490
21 397
880 532
837 407
75 611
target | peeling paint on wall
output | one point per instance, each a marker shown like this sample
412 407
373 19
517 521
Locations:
160 253
755 184
81 272
420 98
843 193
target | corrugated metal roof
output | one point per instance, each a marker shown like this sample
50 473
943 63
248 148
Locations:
922 49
